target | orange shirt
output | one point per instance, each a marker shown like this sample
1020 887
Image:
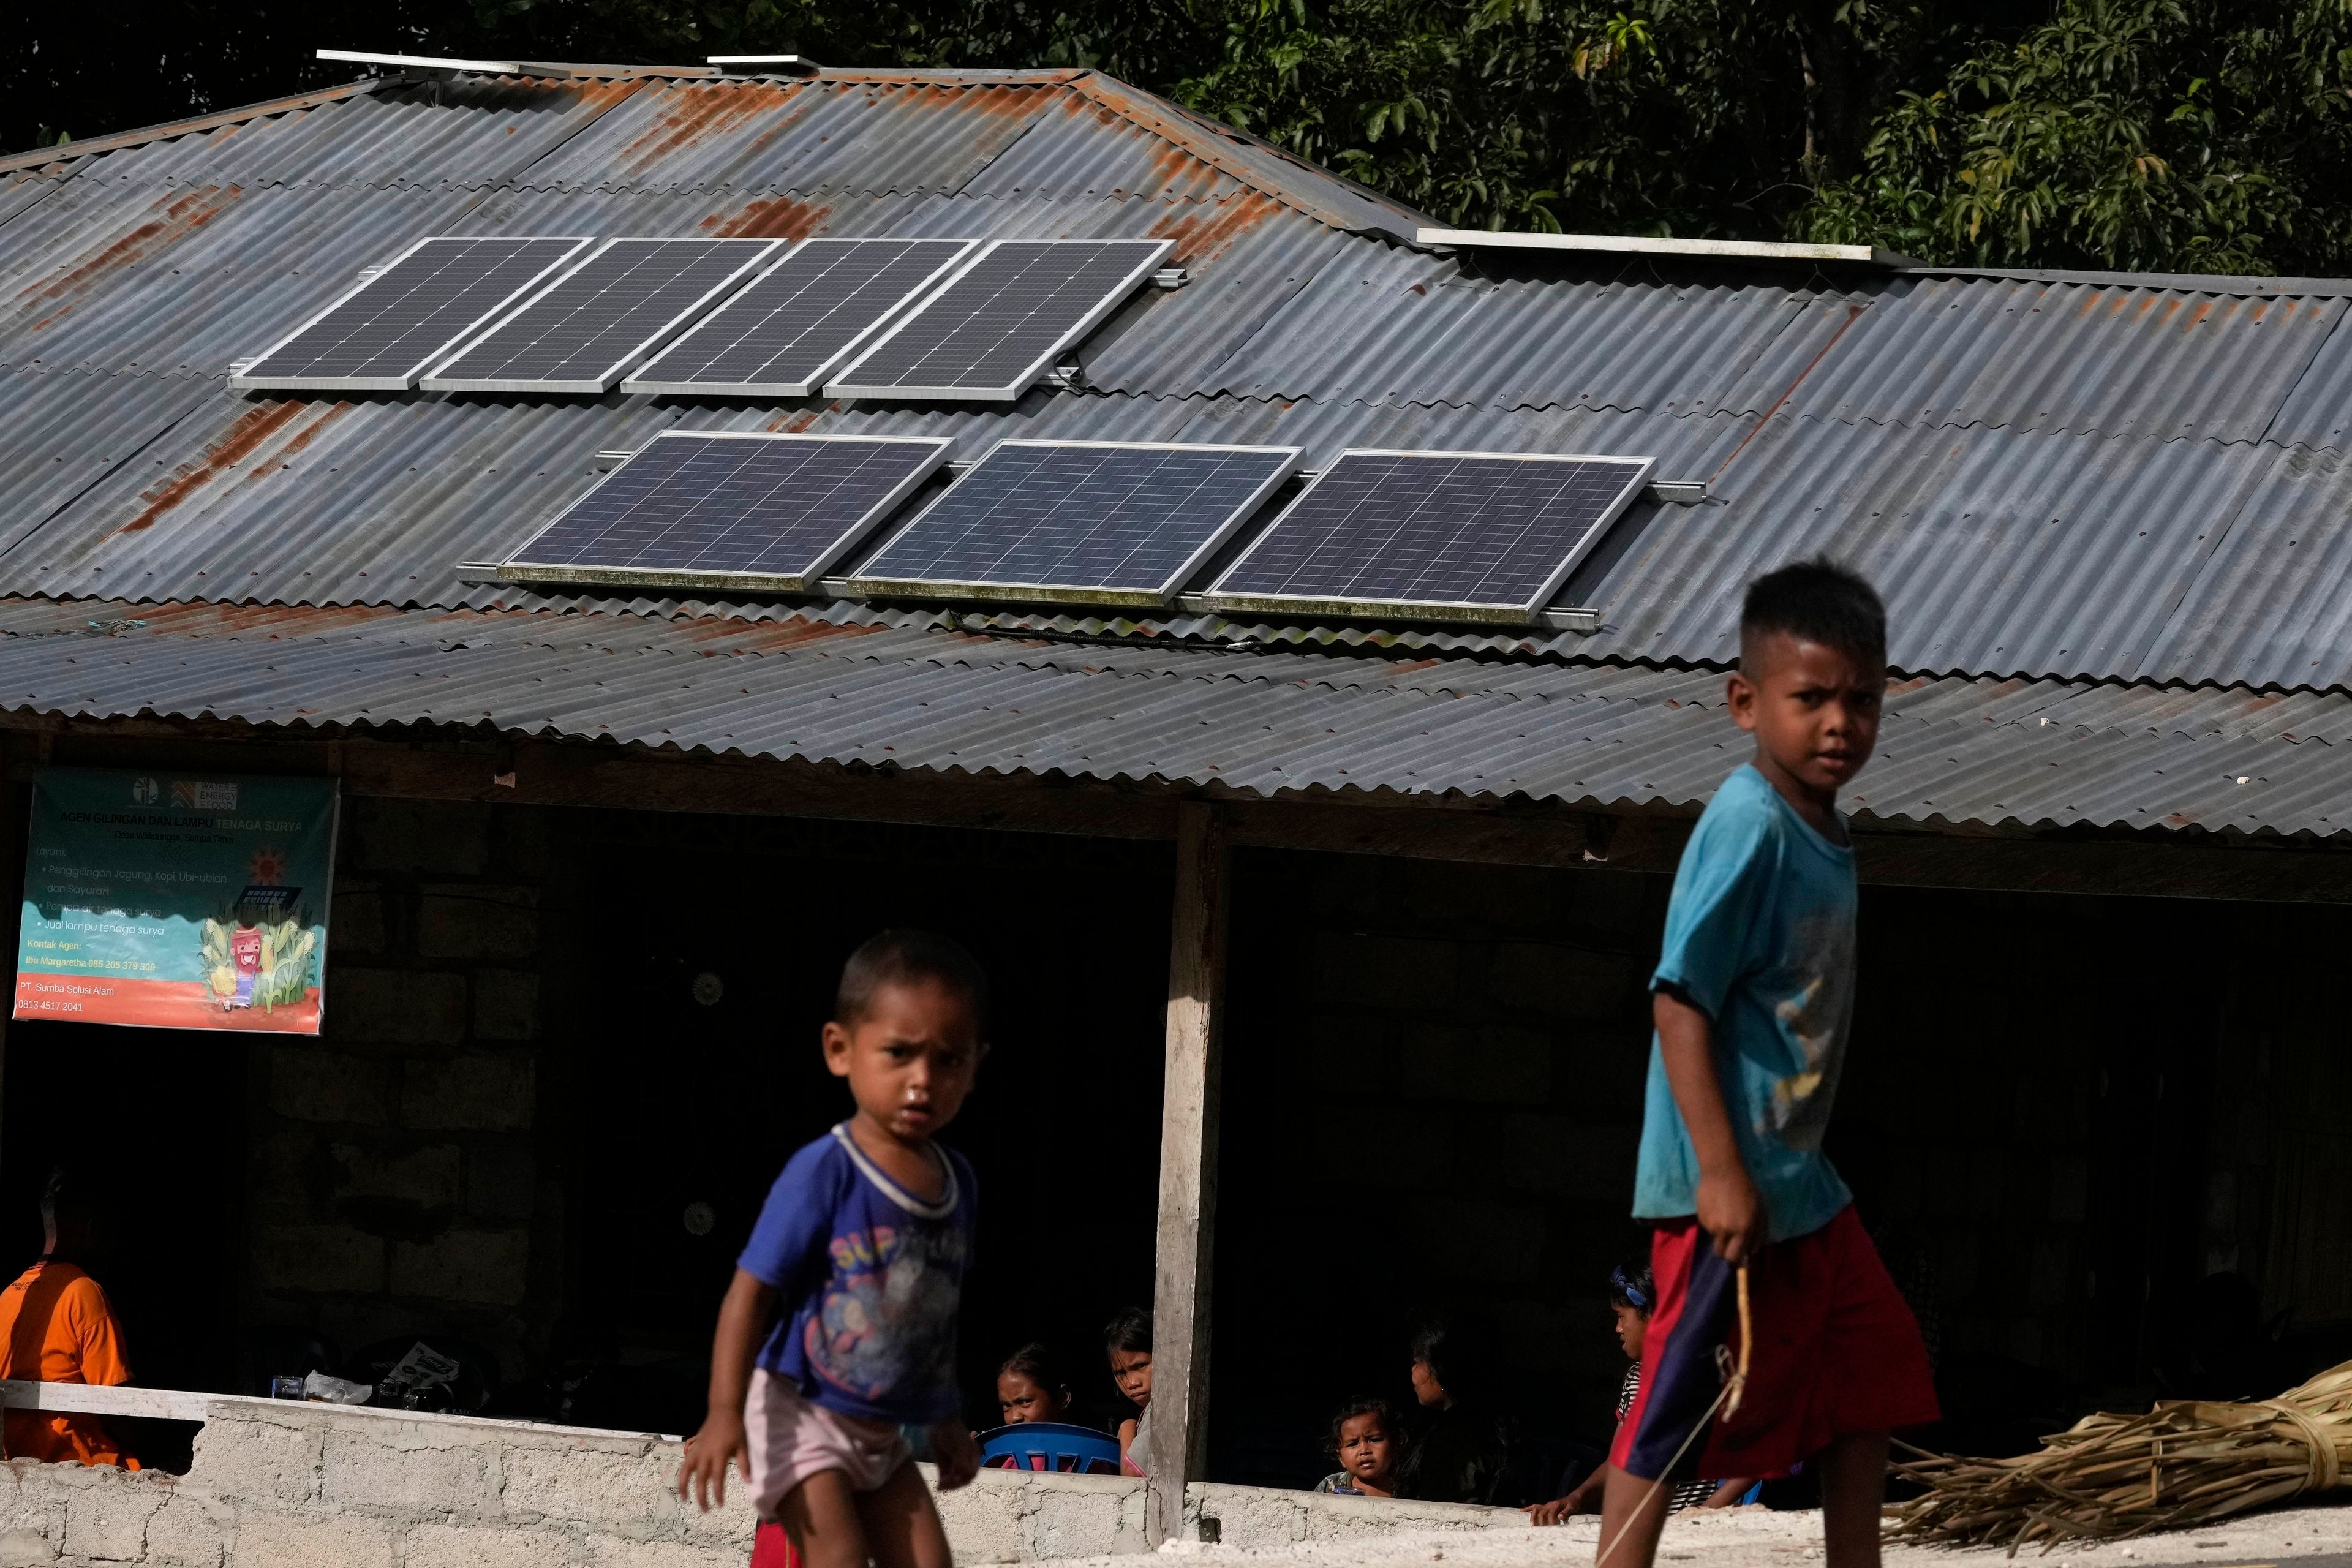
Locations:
57 1326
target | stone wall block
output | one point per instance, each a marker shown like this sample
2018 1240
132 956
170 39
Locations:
502 1180
483 923
467 1546
319 1257
622 1551
1563 981
276 1539
477 1093
108 1522
396 1007
310 1083
188 1532
506 1005
406 1470
489 1266
428 1177
1383 972
24 1546
991 1520
249 1459
614 1491
356 923
414 838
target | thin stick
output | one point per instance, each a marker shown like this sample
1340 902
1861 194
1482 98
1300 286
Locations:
1732 1388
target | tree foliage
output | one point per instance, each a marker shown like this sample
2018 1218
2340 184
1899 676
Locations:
2183 135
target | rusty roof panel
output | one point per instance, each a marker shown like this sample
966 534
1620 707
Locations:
2105 358
2049 477
1951 750
1999 551
807 138
470 132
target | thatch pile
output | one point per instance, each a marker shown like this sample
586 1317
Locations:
2185 1463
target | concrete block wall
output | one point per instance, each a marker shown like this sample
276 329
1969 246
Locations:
396 1180
300 1484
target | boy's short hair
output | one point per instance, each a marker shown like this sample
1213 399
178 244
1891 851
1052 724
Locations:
1818 601
1367 1404
900 956
1129 1329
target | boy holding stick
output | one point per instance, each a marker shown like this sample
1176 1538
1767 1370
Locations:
1751 998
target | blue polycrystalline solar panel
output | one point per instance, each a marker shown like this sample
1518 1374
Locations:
710 509
999 324
382 334
1487 536
805 314
1099 522
581 331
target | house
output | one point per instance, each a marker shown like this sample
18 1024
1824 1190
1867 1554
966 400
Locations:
1323 940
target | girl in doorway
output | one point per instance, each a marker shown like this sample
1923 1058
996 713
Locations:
1127 1341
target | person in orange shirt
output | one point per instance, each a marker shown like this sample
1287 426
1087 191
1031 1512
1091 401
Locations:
57 1326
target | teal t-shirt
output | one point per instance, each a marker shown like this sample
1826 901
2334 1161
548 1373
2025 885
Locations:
1759 936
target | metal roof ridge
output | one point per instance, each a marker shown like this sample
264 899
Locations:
1198 134
2184 282
170 130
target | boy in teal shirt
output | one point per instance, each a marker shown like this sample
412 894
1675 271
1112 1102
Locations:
1752 995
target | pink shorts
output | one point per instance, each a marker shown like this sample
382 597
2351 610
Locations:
791 1439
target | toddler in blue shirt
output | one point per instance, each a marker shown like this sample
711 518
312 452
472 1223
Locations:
840 1326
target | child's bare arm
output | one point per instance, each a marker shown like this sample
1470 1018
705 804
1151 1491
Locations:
1729 1208
743 1319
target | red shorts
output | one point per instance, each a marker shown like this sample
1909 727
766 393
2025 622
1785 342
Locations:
1837 1351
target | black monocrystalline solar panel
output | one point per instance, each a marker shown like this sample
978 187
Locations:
998 325
581 331
800 318
1099 522
719 510
381 336
1440 535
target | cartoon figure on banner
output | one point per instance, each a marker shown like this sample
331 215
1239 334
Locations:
259 952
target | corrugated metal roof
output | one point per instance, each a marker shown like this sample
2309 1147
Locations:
2056 480
2032 754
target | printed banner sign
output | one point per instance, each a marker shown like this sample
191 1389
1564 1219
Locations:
177 903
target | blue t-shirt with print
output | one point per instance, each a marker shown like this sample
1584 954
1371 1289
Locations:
1759 936
871 1277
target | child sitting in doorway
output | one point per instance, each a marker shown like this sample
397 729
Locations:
1368 1439
1030 1386
1127 1341
840 1325
1632 1295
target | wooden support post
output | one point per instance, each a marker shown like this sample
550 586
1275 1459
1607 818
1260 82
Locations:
1187 1173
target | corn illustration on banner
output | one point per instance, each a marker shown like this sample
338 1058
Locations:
177 901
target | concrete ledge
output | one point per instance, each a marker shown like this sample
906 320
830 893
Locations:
283 1482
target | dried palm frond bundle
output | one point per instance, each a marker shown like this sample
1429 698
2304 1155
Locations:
2184 1463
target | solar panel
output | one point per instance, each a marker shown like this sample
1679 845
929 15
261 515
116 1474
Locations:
802 317
1000 323
581 331
722 509
1099 522
380 335
1487 536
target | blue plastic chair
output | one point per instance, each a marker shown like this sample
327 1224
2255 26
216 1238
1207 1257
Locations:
1050 1445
